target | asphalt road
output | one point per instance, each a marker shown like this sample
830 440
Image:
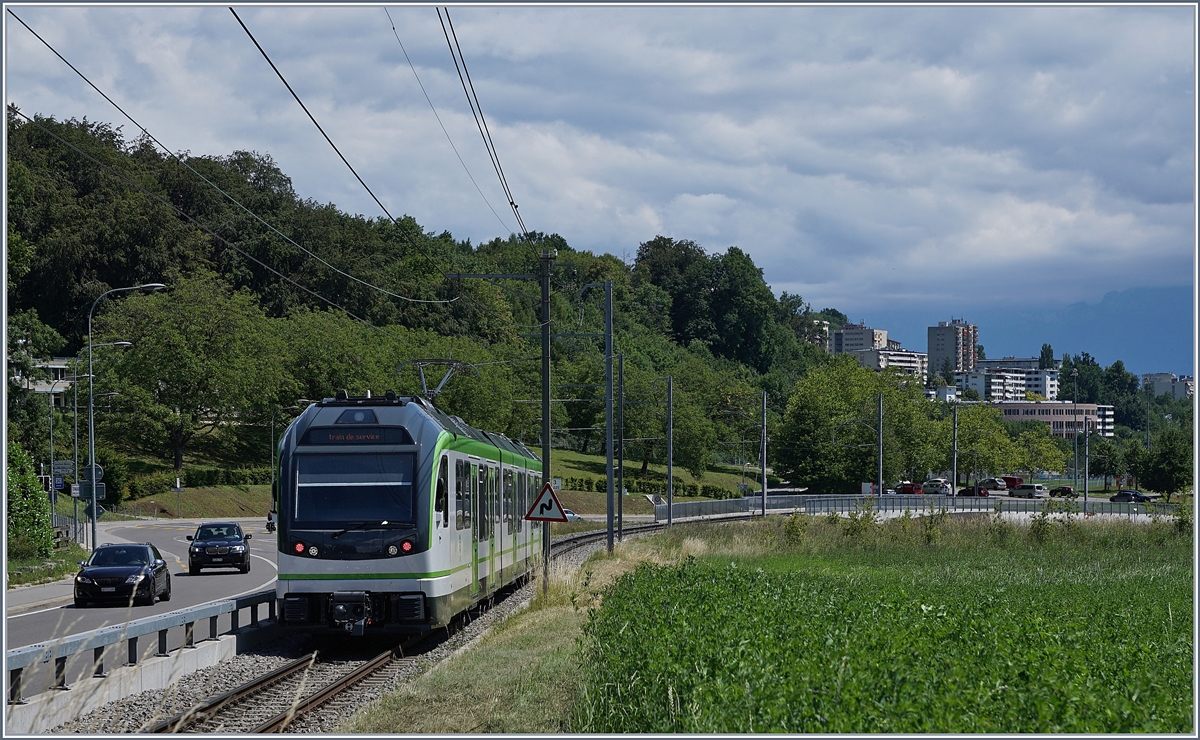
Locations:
55 622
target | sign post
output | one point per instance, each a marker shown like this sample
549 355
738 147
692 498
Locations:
546 508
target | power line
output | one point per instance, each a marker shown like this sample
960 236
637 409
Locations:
439 120
279 74
214 185
209 231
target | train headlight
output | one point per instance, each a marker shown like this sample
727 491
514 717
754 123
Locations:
312 550
393 550
299 548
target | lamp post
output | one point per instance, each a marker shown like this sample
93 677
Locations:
1075 427
91 396
53 492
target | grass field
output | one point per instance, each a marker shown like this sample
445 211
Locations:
795 624
845 627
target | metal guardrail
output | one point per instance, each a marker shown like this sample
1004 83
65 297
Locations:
821 504
97 640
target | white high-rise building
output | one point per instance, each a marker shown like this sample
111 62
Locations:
953 340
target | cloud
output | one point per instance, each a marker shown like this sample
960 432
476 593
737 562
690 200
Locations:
860 155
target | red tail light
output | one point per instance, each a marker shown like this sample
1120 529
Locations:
299 548
406 546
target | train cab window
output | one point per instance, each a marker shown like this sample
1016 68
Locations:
440 503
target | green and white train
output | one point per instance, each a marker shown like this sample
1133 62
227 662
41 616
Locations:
394 516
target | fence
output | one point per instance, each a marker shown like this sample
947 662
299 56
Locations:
16 661
820 504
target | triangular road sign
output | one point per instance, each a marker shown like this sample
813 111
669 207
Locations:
546 508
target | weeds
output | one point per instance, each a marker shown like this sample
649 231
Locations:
795 527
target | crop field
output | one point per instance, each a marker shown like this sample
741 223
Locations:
943 625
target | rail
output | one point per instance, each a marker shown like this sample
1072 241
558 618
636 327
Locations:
17 660
822 504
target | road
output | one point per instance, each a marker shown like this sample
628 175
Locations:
53 622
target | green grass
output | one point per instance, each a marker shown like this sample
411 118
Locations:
568 463
60 563
194 503
936 626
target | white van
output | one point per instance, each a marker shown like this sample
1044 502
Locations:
936 486
1029 490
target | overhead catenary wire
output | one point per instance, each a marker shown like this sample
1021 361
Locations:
213 185
378 202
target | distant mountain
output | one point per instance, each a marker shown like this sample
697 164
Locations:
1150 328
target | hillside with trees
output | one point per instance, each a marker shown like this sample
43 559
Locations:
273 298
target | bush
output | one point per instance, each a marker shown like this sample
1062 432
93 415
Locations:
198 477
28 525
150 485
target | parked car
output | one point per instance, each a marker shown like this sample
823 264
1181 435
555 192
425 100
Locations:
975 490
935 486
218 545
993 484
1029 490
121 573
1012 481
908 488
1131 495
1065 491
571 516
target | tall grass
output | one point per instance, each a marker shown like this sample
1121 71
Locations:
920 624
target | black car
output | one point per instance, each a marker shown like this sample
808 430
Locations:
1067 491
1130 496
218 545
976 490
123 573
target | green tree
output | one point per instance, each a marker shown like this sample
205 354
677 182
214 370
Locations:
1046 359
203 357
29 532
1169 468
979 352
947 371
1106 458
29 340
1036 450
984 445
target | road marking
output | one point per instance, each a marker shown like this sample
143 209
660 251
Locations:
40 611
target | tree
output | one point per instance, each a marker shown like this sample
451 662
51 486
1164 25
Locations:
29 340
1106 458
1036 450
1046 359
970 394
947 372
1031 396
1169 468
979 352
30 533
203 357
984 445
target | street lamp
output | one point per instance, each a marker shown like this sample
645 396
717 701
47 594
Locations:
1075 427
53 492
91 396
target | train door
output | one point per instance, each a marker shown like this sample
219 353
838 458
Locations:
482 518
493 514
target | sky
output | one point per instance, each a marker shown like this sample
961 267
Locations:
1030 169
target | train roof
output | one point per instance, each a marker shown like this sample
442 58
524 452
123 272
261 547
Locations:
453 424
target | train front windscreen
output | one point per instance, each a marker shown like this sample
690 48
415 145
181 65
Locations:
335 488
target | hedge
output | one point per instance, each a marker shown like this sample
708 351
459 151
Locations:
652 487
158 483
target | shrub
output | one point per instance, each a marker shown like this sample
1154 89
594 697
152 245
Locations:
28 525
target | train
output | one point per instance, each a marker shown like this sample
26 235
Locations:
393 516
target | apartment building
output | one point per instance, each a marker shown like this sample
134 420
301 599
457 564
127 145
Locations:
856 338
913 363
953 340
1182 386
942 393
1063 417
996 385
1042 382
58 384
1013 363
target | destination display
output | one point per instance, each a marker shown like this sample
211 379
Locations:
358 436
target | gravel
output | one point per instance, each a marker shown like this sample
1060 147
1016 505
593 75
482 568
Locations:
136 712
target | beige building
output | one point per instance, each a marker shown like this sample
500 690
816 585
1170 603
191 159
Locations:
1182 386
953 340
1063 417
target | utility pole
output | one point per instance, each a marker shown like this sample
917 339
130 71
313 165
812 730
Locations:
670 447
608 402
764 454
880 476
1087 437
621 448
547 261
954 460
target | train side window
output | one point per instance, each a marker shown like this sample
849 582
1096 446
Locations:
481 495
468 492
440 503
522 506
508 501
494 493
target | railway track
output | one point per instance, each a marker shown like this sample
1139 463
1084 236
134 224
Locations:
307 685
